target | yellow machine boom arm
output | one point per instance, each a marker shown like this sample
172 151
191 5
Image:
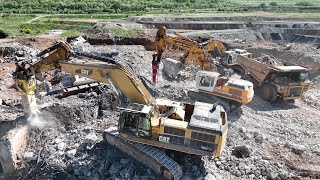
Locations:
120 76
195 52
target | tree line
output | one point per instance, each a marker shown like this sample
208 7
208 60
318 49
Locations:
106 6
132 6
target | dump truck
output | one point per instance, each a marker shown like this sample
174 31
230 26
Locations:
274 80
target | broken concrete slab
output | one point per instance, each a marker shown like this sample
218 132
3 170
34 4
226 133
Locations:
12 146
171 67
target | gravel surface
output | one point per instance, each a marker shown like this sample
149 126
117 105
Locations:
265 141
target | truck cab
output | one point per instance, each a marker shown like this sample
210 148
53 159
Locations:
230 57
291 81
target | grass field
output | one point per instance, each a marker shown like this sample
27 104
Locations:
78 24
11 24
16 25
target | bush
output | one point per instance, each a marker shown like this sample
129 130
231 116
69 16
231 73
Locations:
27 31
273 4
303 4
3 34
262 5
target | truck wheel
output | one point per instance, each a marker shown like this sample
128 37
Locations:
269 92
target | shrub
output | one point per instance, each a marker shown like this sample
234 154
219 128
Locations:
273 4
262 5
303 4
3 34
27 31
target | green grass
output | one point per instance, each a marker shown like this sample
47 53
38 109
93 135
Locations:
11 23
74 25
246 14
72 33
123 32
85 16
19 25
44 27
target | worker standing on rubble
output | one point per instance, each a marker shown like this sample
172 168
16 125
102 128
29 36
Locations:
155 67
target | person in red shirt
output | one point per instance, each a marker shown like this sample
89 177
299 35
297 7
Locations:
155 67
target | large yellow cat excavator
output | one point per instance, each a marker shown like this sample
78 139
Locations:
147 123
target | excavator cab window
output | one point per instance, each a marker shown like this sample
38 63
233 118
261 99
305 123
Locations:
126 122
144 126
229 58
206 81
225 59
135 123
303 76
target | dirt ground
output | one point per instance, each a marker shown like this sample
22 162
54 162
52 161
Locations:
282 139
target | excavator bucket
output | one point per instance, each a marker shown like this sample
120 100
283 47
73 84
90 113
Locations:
27 90
171 67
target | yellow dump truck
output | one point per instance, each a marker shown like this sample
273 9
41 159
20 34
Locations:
287 82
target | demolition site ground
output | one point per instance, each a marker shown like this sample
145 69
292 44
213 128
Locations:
265 140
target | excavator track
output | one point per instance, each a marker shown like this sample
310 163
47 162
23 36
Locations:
148 155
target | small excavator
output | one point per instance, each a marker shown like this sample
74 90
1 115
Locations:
211 85
147 124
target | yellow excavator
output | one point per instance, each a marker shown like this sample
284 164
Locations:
210 55
147 123
211 86
195 52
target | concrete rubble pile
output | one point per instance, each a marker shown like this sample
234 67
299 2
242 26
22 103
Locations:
265 141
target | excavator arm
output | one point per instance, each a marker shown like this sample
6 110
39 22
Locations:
195 52
214 48
57 53
119 75
120 78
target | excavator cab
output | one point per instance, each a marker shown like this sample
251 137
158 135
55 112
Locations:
229 58
207 80
135 120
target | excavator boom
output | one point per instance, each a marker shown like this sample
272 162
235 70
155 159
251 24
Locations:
121 78
194 51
